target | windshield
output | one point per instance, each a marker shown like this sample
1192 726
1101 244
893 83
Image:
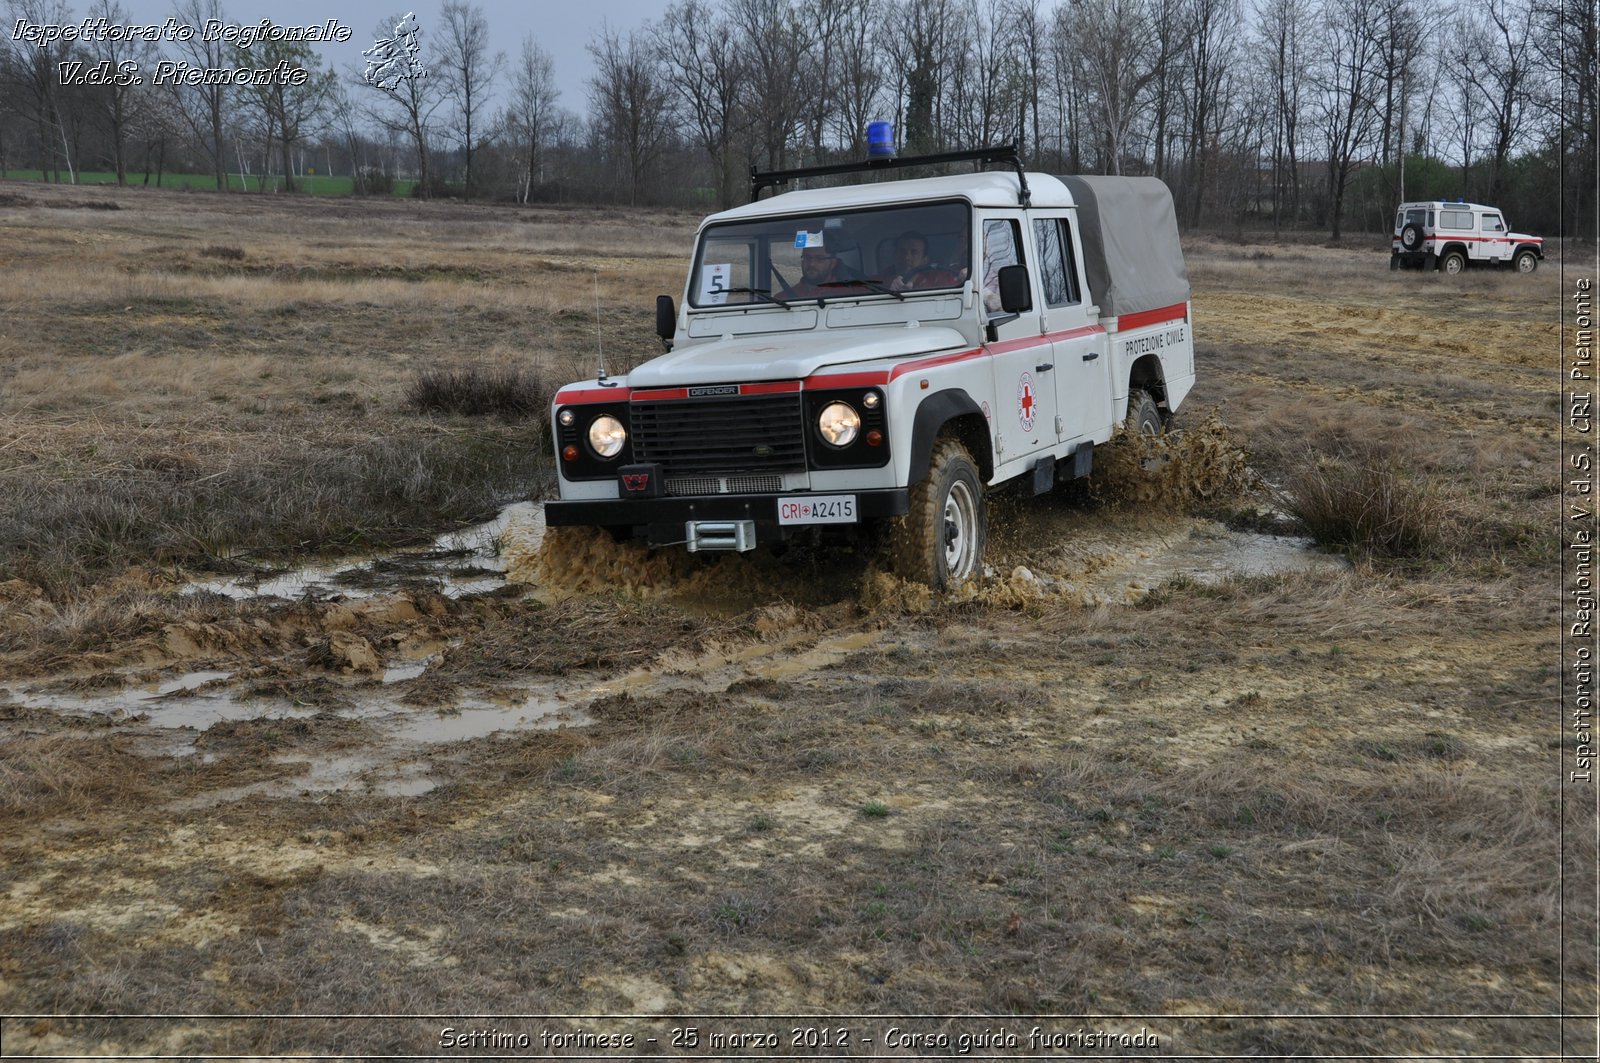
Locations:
890 251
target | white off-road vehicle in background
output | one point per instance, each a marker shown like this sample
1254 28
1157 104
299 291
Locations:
1451 236
882 385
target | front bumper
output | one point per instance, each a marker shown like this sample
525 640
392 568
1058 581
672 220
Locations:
664 518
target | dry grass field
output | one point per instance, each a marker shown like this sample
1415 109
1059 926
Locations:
1307 809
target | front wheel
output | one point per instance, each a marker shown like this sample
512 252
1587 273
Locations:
1527 262
940 541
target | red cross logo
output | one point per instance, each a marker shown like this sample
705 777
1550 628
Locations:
1025 402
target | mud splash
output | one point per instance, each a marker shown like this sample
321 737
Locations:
1171 471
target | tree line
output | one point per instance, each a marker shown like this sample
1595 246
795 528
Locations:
1299 114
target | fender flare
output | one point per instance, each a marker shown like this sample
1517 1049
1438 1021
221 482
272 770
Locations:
936 411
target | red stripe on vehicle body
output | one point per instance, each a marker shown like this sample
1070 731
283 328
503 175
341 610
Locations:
1175 312
1477 239
769 389
577 396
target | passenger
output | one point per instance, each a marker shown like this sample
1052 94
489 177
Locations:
819 268
912 269
961 265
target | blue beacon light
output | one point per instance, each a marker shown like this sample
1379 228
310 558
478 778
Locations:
880 140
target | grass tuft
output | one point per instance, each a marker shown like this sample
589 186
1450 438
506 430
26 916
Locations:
1360 501
479 391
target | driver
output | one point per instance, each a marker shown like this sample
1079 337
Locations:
911 266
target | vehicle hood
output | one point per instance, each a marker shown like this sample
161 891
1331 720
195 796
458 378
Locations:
1525 238
789 357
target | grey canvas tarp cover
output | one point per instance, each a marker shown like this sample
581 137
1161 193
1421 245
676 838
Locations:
1130 243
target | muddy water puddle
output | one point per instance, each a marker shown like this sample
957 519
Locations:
1050 551
1122 560
457 564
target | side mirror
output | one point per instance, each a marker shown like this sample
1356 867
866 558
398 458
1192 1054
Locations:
666 317
1014 294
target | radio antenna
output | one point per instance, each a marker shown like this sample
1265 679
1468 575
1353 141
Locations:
599 342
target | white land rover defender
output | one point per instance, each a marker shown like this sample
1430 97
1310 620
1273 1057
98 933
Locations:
1452 236
887 352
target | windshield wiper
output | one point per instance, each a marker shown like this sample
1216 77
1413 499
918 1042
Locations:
865 282
765 293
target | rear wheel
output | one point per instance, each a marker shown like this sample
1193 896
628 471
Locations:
1454 262
940 541
1144 416
1526 261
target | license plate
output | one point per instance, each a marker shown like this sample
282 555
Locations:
818 509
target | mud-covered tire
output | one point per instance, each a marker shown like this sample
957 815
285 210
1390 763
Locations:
940 541
1453 262
1525 262
1144 416
1411 237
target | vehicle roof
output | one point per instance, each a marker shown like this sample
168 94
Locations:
992 189
1442 203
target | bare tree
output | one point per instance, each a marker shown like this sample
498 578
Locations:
1068 90
925 42
1210 26
858 76
1399 34
1568 41
118 101
1027 38
631 103
1282 26
1500 71
36 69
1347 81
469 71
288 111
204 110
533 106
705 69
779 94
990 102
824 25
1119 57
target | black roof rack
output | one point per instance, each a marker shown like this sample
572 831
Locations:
1001 153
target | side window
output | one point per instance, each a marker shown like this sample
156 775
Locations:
1002 246
1057 270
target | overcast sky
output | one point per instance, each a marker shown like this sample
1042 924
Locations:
562 29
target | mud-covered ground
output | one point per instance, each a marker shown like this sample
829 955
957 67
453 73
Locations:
1171 772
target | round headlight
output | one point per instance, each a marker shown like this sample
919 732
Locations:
839 423
606 435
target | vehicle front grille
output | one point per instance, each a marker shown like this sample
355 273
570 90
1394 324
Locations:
740 434
725 485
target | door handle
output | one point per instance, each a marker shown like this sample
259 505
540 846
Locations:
1091 356
1045 368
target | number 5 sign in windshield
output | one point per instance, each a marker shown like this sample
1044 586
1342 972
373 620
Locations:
714 282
